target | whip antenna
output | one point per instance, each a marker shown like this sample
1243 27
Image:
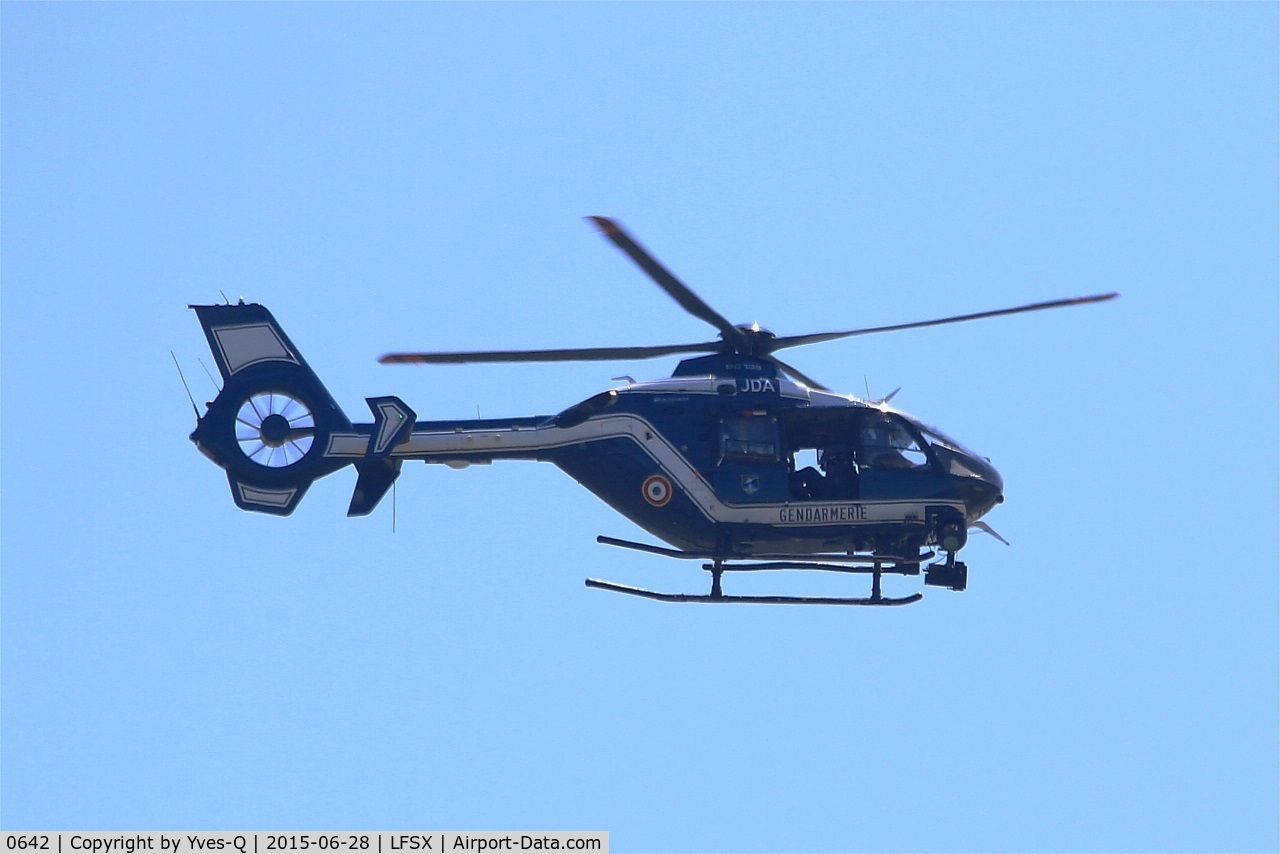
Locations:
194 408
217 388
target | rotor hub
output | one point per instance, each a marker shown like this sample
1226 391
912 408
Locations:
755 340
275 430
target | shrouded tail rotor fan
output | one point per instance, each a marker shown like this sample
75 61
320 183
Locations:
275 429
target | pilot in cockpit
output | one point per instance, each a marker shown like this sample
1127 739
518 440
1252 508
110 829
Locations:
841 471
837 480
881 443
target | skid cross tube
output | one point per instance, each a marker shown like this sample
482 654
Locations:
768 556
718 566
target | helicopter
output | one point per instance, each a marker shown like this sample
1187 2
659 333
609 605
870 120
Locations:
737 459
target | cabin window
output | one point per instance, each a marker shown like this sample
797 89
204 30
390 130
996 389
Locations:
752 438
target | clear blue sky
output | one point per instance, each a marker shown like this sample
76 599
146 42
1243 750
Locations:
405 176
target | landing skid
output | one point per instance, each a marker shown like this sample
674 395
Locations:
759 600
872 564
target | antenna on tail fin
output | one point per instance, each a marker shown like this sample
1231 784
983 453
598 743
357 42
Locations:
216 388
194 408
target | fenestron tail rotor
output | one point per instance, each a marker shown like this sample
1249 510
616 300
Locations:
271 425
747 340
275 429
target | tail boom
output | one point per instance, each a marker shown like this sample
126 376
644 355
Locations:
275 429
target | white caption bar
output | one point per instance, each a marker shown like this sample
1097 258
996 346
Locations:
292 842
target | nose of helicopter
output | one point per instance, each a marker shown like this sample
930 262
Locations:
986 490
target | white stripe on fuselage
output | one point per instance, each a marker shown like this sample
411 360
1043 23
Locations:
445 446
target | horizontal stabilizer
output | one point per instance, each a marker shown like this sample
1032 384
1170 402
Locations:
392 424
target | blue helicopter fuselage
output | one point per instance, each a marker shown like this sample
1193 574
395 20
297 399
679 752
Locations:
713 461
726 456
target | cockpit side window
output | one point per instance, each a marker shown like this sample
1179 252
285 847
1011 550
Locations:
884 442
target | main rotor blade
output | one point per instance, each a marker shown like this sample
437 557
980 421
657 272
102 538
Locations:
813 384
581 354
800 340
666 280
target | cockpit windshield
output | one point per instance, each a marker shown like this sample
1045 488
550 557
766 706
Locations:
950 453
934 436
